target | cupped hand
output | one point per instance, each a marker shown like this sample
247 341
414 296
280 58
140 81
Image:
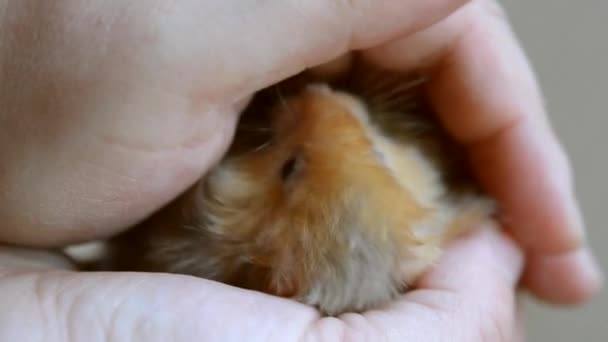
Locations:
470 296
110 109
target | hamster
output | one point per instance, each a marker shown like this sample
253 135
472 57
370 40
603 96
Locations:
338 192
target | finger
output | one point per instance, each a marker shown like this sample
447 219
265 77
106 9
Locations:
557 278
62 306
487 97
142 96
469 296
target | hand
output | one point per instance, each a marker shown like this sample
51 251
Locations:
470 296
488 99
111 109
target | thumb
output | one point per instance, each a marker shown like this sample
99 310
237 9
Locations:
68 306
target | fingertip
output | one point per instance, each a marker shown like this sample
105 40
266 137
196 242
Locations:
570 278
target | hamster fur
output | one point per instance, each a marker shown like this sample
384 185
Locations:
337 195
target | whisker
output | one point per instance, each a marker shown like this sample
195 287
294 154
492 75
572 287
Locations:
191 228
262 146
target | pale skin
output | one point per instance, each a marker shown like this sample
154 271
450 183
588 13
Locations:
112 108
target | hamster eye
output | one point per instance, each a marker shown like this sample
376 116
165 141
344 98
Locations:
291 167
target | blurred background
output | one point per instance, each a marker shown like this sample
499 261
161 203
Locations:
567 42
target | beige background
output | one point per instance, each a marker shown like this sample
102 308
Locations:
567 42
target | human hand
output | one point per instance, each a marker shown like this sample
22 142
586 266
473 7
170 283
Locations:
488 99
111 109
470 296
